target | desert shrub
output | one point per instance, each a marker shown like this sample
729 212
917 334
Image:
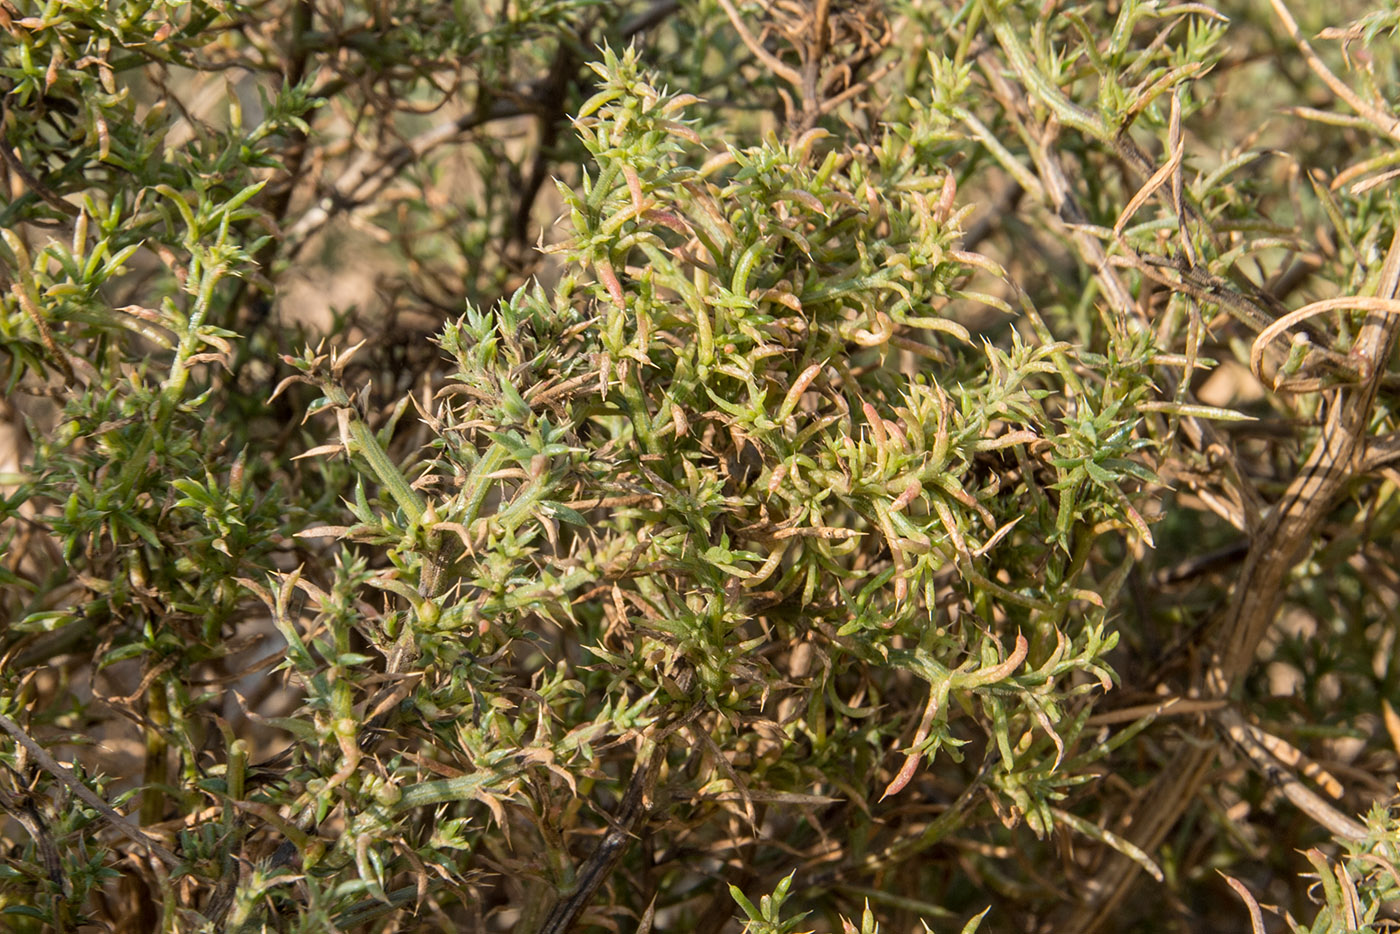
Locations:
674 466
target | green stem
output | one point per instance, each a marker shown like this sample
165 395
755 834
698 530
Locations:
158 713
479 483
367 446
1000 153
1068 112
446 791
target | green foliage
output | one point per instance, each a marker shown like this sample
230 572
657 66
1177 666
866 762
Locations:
838 504
766 918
